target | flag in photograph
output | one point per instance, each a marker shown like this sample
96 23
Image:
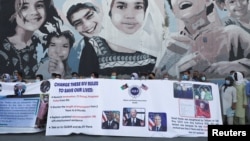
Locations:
125 117
150 123
104 117
125 86
144 87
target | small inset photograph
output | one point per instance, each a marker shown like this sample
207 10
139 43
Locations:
202 109
183 90
134 117
157 121
41 119
110 120
203 92
45 86
19 89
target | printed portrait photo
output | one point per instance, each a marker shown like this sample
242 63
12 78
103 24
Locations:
111 120
19 89
202 109
45 86
134 117
157 121
43 111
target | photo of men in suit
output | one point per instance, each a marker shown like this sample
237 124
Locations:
158 126
19 89
133 120
111 122
157 122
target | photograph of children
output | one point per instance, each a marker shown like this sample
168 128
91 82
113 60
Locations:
134 117
202 109
43 111
203 92
183 90
59 45
157 121
19 89
45 86
110 119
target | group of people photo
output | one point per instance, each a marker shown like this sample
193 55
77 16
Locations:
45 37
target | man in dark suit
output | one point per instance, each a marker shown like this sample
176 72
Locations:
158 125
110 123
133 120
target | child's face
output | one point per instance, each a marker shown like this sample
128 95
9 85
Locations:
31 15
87 22
186 9
59 47
128 15
237 8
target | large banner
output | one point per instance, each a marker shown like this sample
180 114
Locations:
157 108
23 108
147 108
125 36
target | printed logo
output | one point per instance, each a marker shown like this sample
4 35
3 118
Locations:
134 91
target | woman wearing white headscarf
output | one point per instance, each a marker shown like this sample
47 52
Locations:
241 105
147 38
134 76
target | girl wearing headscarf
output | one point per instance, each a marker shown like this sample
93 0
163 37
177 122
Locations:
229 99
241 105
147 38
59 45
20 47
